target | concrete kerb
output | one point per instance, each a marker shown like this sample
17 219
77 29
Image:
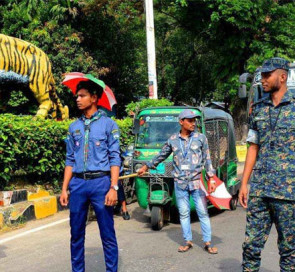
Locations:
21 206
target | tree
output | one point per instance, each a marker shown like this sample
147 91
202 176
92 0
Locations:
202 46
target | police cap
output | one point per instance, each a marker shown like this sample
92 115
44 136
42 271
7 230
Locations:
273 64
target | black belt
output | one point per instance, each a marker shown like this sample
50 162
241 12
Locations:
91 175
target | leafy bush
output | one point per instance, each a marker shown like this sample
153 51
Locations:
126 136
31 150
135 107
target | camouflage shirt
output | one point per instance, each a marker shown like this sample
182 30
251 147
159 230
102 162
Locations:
273 129
190 156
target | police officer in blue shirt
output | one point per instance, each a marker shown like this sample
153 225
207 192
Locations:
91 174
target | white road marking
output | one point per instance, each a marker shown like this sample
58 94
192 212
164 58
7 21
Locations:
33 230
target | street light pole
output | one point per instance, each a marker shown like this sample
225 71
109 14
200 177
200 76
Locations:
151 52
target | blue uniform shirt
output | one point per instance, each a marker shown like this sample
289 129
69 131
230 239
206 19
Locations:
103 146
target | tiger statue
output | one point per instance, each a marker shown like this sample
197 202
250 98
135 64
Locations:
24 63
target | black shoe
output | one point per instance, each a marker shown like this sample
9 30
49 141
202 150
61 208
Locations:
126 216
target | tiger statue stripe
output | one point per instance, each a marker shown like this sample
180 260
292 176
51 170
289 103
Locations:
20 60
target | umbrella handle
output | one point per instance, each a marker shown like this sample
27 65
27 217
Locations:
131 176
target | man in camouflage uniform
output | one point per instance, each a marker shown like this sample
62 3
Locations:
271 155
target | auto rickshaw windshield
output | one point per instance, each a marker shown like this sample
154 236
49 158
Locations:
154 131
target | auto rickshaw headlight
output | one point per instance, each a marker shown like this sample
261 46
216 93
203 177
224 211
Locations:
127 162
137 167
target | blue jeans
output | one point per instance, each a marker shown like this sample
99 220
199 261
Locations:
183 203
82 193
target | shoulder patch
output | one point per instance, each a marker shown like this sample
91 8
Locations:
115 133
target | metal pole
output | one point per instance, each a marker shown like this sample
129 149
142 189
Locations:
151 52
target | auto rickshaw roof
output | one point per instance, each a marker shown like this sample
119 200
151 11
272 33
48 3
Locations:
210 113
175 110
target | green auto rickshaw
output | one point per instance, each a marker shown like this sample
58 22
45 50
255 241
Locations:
152 128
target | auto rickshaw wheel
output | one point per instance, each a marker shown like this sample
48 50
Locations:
157 218
234 202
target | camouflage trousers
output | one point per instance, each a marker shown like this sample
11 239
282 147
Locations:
261 214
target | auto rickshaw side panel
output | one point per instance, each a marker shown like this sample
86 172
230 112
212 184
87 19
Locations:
221 139
142 191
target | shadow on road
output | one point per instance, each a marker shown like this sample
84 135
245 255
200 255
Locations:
94 259
137 214
174 233
230 265
2 251
233 265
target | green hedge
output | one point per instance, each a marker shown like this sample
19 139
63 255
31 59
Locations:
32 151
126 136
135 107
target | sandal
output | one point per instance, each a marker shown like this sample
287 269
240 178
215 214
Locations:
186 247
210 249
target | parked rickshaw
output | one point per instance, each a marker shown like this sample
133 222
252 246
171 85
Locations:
152 127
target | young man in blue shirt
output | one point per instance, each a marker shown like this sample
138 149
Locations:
190 155
91 174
